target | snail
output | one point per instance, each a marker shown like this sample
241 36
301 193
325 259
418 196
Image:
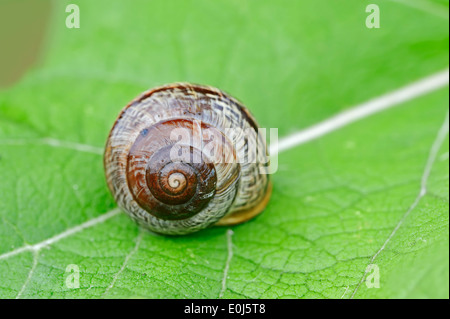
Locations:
182 157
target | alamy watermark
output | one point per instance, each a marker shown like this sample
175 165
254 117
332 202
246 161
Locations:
72 276
227 146
373 276
373 19
73 19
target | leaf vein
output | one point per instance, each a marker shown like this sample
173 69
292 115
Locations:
439 140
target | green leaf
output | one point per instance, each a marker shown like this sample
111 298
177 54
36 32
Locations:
340 203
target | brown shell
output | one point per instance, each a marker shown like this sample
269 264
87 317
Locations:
178 184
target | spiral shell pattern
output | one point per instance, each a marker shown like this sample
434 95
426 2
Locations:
170 185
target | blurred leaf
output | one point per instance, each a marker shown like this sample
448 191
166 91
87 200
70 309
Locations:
23 25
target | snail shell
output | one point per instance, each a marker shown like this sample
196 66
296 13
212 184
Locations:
175 184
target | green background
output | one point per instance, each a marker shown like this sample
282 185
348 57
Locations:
335 201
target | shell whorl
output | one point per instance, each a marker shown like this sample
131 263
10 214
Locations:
194 189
